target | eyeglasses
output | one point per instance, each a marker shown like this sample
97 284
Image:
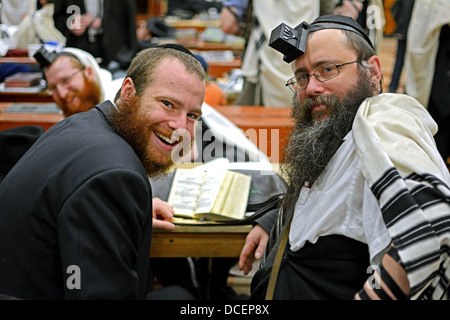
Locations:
64 82
323 73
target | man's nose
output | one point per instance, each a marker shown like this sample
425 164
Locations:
178 121
61 91
314 87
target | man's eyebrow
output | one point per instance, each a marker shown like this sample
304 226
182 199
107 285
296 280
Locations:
178 102
199 111
170 98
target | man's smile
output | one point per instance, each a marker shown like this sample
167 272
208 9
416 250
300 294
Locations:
165 139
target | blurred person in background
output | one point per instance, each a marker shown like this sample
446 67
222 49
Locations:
401 11
427 65
263 68
76 81
13 11
39 27
102 28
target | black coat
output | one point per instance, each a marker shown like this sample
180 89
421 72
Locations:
402 11
77 208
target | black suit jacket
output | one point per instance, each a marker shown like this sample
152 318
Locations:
78 200
118 23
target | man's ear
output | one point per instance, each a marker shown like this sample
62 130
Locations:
375 64
375 71
127 90
89 72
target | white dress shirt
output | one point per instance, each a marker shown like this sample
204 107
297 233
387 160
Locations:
340 203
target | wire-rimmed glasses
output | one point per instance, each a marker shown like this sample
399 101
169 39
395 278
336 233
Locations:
64 82
323 73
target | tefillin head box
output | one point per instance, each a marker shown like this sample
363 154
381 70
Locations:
289 41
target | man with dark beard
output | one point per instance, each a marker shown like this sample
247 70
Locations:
366 214
76 81
76 210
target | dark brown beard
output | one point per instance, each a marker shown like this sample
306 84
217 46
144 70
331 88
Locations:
126 121
313 143
89 97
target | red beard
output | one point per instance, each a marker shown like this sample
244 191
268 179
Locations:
89 96
134 129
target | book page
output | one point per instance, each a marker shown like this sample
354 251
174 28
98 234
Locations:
231 202
214 178
197 187
185 190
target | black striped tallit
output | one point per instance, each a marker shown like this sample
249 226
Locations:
416 211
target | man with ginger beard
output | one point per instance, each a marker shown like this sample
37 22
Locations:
366 212
85 227
76 81
72 100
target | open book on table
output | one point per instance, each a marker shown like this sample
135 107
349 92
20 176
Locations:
210 192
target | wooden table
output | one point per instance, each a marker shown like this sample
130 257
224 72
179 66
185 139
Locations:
217 69
267 127
42 96
11 120
20 60
197 24
199 241
200 45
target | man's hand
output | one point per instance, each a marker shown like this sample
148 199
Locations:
162 215
82 22
254 247
228 21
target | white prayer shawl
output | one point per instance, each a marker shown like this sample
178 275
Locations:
38 27
428 18
393 137
340 202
